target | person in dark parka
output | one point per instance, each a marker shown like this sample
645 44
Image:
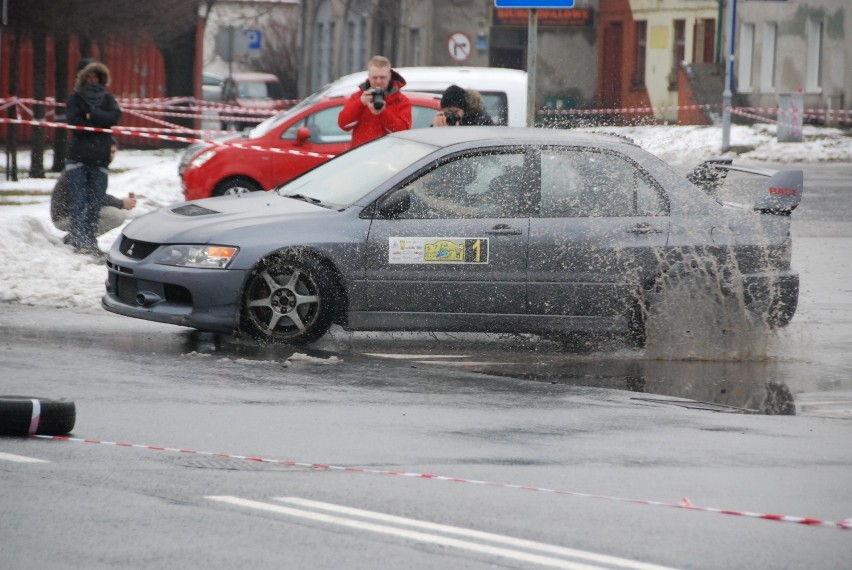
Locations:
461 107
89 154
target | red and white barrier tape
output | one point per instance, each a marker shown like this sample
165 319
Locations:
182 103
138 133
147 116
622 111
746 114
201 109
683 504
773 110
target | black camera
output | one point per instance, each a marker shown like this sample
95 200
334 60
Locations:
378 98
452 118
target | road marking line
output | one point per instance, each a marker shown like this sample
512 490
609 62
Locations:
413 356
21 458
411 535
519 542
466 363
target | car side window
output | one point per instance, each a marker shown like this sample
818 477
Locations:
474 186
323 127
253 90
422 117
497 106
585 183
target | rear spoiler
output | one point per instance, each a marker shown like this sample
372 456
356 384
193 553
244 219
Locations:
783 191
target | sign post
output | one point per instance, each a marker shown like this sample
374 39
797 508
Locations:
532 42
728 92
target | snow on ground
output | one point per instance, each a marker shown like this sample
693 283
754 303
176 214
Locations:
37 269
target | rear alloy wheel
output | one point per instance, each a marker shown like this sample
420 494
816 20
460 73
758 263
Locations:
236 186
30 415
289 299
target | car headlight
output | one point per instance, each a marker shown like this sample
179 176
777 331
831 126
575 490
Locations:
200 256
201 158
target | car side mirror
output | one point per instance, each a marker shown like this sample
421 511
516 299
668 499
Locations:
303 134
396 203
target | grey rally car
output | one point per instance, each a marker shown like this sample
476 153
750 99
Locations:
487 229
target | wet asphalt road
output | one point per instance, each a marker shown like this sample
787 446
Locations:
599 427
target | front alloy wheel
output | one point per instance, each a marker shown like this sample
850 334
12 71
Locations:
289 300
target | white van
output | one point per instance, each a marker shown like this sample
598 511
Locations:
503 90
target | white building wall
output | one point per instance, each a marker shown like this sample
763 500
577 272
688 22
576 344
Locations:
813 51
660 63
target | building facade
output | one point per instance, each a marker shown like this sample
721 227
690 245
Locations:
271 28
602 54
339 36
643 46
795 46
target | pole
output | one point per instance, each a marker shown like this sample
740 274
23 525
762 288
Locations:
4 21
720 16
230 52
532 56
727 94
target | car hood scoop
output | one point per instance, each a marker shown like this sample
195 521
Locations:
193 210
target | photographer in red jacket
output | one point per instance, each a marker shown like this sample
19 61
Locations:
378 107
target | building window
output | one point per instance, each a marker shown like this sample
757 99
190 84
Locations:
641 54
678 51
746 57
704 41
813 80
414 57
323 45
356 37
767 57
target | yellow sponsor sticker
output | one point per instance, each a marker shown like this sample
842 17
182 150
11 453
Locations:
437 250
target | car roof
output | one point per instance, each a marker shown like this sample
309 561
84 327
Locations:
436 78
442 137
414 96
254 76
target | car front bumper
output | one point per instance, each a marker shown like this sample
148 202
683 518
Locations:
205 299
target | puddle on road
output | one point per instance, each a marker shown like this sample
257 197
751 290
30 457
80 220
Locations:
743 386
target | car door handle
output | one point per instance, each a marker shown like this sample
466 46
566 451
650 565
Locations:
503 230
644 229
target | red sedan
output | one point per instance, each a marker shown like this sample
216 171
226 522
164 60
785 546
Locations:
278 149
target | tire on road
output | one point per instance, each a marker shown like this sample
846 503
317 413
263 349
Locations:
31 415
239 185
291 298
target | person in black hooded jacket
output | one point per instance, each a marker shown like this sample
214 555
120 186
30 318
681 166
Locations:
461 107
89 154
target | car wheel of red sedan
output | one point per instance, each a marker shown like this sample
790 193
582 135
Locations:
236 186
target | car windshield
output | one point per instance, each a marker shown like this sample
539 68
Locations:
262 128
349 177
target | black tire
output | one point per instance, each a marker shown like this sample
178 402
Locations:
289 298
236 186
54 417
236 126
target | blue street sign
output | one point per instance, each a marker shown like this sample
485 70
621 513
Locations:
255 38
534 3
